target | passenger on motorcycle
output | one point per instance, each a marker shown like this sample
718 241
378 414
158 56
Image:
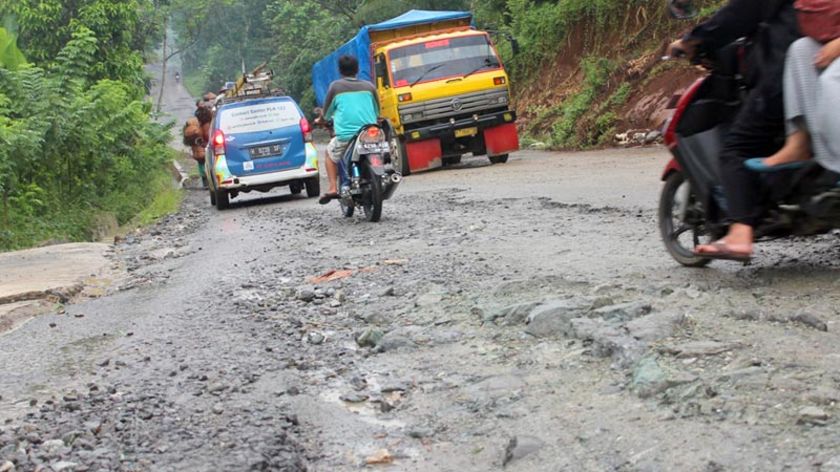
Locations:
351 104
812 98
756 131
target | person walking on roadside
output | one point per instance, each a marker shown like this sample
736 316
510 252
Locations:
197 135
351 104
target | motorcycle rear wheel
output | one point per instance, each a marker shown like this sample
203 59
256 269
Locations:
372 205
347 210
671 226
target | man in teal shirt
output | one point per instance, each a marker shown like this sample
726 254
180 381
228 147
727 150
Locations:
351 104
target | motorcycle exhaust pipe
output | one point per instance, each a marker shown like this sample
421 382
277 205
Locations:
391 187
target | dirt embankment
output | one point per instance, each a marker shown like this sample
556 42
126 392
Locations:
633 98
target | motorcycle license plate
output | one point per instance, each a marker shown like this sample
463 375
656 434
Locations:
266 151
465 132
374 148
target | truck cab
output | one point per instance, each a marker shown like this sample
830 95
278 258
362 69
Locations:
441 85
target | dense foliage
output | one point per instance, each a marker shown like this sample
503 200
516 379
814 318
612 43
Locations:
76 138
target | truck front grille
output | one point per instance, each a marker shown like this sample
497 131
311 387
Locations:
458 105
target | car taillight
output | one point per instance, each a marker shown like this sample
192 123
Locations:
306 129
499 81
218 142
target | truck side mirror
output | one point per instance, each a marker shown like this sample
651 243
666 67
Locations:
381 71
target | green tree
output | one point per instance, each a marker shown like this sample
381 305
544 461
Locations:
46 26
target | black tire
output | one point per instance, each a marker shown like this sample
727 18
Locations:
668 229
346 210
313 187
372 205
399 156
499 159
451 161
295 188
222 199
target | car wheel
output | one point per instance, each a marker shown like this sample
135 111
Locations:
313 187
212 198
296 188
222 199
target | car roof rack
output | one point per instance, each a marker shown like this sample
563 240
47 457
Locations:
257 84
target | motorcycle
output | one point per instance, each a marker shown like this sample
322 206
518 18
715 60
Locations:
692 207
366 173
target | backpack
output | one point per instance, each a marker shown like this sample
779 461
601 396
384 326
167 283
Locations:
819 19
192 132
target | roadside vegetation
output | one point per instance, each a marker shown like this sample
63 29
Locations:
77 142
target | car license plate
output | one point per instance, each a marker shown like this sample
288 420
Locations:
266 151
463 133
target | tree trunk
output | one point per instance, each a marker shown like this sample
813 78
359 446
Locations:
5 208
163 63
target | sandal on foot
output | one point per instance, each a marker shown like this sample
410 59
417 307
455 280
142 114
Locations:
758 165
327 197
722 251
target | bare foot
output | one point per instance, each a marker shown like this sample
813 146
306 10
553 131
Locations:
797 148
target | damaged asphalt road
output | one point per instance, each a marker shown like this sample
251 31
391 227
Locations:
523 316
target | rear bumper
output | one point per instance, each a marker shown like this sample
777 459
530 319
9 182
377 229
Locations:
446 131
269 179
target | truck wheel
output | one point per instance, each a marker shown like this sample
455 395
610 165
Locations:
499 159
399 156
313 187
451 161
222 199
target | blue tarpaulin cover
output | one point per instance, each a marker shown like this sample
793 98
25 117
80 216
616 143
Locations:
326 70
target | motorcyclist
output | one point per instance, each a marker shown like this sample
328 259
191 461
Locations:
758 127
177 77
351 104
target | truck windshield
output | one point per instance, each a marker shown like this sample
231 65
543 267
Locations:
441 58
259 116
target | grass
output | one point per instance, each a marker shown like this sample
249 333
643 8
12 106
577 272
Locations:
167 200
194 83
80 223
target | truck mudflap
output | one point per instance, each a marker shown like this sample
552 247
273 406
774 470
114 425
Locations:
424 155
502 139
424 146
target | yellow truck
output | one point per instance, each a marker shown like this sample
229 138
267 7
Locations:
441 85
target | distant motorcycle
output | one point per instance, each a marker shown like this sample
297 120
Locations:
366 173
177 77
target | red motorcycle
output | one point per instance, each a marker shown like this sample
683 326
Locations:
692 205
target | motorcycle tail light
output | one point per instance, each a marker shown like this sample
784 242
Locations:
372 135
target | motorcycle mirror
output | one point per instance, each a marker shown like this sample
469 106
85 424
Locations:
682 9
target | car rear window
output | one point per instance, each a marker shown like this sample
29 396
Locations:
259 117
